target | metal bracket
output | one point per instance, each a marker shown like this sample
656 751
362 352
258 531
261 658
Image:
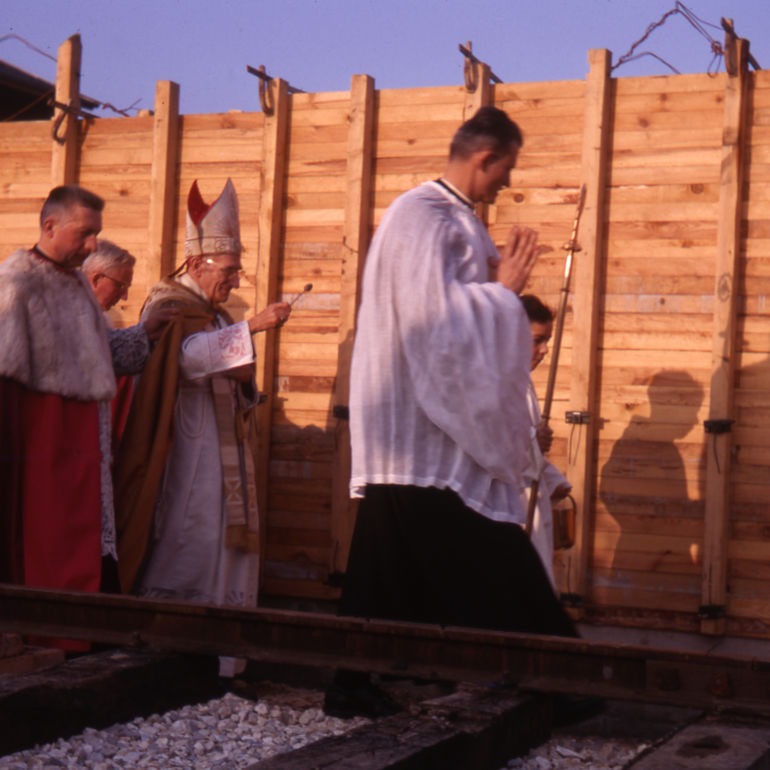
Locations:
335 579
65 110
469 70
265 95
712 611
718 426
571 600
730 38
341 412
576 417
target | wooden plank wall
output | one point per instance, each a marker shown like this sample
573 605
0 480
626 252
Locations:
298 548
748 543
658 304
669 163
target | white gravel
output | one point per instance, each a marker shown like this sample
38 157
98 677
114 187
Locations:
227 733
586 752
232 733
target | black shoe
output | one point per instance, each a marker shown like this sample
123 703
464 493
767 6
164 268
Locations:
570 709
360 701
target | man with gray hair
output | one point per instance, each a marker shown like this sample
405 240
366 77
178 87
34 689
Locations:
110 271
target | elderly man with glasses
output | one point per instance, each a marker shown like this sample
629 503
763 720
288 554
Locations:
110 271
185 490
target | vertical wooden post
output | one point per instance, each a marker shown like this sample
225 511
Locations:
268 263
355 241
64 154
482 94
163 192
580 469
718 443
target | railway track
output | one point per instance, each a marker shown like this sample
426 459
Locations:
717 704
702 679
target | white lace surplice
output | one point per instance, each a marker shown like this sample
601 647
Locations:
441 360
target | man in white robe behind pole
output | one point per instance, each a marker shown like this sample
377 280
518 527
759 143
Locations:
553 485
187 511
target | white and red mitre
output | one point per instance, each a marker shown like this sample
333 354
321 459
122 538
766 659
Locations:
214 229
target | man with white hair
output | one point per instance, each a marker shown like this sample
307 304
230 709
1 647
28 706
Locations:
185 490
110 272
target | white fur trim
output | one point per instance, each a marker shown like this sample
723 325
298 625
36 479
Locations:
53 337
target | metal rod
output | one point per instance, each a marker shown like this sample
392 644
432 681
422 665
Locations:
305 289
472 57
571 247
265 78
727 26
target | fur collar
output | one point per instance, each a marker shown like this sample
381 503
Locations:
53 336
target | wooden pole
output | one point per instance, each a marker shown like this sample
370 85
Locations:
718 437
163 189
355 242
483 93
268 263
597 133
480 96
64 153
545 417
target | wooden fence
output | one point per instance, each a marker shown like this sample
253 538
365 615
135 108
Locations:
665 365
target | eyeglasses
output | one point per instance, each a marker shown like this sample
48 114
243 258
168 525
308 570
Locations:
122 285
228 272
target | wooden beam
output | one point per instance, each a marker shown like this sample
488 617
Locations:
482 94
355 242
597 133
268 263
64 153
163 191
719 443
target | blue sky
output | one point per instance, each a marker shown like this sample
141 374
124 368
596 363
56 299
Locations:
317 45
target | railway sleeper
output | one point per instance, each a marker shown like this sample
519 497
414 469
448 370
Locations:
711 744
98 690
476 727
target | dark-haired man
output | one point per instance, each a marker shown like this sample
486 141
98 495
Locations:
56 381
438 412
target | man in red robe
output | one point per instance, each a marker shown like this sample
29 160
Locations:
56 374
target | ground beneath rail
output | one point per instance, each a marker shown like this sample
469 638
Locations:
98 690
443 726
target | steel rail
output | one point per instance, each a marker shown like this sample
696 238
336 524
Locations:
544 663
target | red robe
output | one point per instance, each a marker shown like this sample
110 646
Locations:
55 368
50 495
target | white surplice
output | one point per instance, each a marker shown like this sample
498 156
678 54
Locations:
441 360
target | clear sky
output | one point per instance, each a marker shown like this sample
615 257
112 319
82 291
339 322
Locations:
317 45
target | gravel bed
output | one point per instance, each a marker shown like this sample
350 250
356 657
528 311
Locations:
228 733
234 732
586 752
